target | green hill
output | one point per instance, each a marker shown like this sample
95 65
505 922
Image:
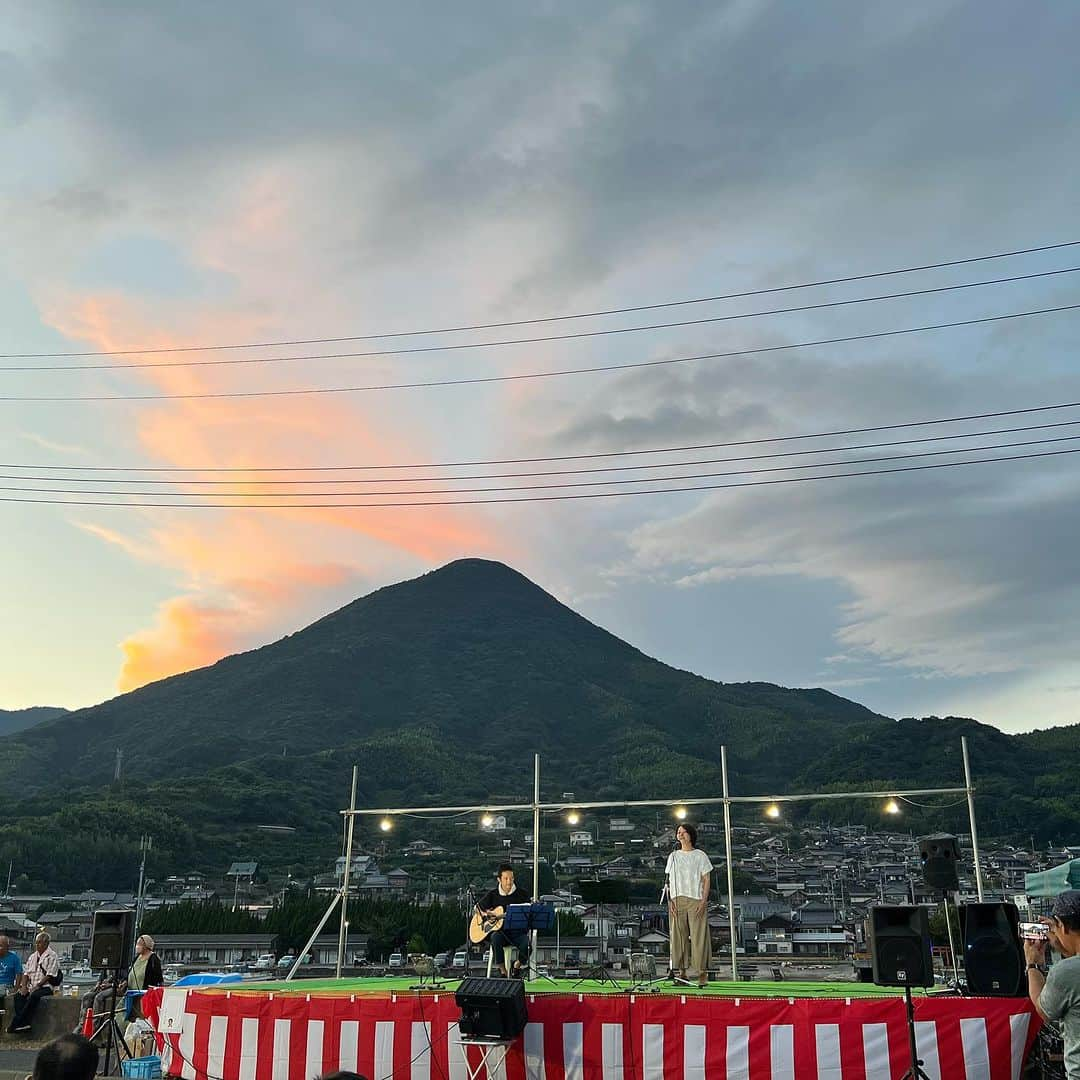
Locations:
441 688
12 720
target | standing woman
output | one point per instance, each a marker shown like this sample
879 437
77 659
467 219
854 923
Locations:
689 875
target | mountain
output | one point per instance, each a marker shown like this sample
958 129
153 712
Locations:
442 688
12 720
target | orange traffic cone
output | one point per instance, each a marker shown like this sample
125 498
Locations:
88 1023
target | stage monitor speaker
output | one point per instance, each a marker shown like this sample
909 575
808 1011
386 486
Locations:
900 946
111 941
993 957
491 1008
940 857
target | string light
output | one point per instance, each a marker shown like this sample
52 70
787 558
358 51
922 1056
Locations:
892 807
680 812
487 821
573 817
386 824
772 811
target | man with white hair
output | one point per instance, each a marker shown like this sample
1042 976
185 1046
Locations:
40 974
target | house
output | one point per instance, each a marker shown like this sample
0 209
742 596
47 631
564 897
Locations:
774 936
212 950
620 824
70 932
398 880
581 838
568 952
242 870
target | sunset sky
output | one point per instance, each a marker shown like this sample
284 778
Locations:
208 174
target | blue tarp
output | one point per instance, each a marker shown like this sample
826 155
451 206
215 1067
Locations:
209 978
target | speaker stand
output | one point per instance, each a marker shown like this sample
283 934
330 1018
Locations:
915 1072
952 943
114 1037
492 1055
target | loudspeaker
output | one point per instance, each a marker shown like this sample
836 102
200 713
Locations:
900 946
940 856
111 940
492 1008
993 958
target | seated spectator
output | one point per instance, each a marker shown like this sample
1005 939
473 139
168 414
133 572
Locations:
71 1057
144 973
41 973
10 966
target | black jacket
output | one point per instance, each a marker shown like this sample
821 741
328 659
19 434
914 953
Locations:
494 898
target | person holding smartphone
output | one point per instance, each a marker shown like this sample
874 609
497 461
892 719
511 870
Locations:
1056 995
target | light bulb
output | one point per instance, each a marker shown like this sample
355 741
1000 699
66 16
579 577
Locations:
680 812
386 824
772 811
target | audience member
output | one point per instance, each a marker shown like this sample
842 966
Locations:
71 1057
41 973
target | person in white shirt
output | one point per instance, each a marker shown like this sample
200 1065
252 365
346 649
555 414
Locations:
688 876
41 973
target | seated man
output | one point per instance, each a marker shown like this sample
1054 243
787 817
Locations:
505 893
10 970
40 974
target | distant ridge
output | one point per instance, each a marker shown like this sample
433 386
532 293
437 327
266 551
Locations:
12 720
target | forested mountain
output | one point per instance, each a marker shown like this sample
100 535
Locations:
441 688
12 720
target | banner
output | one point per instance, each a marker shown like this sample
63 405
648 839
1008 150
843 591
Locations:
240 1036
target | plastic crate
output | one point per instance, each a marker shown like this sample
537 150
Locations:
142 1068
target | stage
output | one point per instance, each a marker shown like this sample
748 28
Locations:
727 1031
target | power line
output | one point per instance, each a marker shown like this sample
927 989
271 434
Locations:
836 432
738 316
550 318
545 498
538 487
592 370
554 472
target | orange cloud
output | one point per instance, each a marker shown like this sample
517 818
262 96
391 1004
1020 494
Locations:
186 635
247 572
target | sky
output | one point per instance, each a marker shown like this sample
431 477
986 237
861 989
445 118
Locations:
197 174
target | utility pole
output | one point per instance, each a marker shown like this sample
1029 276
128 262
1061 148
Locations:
145 844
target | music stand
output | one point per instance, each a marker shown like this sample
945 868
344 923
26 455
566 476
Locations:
533 918
599 893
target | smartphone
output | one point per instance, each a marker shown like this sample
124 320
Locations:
1034 931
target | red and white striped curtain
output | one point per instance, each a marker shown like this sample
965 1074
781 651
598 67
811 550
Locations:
242 1036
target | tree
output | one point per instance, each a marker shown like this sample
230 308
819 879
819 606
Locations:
417 944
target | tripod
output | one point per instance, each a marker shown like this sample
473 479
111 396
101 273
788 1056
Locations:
915 1072
114 1037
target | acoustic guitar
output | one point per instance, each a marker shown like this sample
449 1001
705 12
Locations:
482 925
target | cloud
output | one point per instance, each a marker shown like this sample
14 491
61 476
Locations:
958 573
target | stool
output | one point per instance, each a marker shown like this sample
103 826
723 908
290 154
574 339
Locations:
510 955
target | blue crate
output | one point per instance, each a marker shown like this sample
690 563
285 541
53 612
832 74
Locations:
142 1068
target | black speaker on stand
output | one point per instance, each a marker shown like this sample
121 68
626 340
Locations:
939 854
993 957
491 1008
111 946
900 951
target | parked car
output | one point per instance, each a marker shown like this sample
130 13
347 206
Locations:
172 972
442 959
286 962
459 958
397 960
265 962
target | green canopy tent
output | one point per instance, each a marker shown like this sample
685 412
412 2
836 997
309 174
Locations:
1057 879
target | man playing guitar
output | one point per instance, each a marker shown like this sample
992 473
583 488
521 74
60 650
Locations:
496 901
